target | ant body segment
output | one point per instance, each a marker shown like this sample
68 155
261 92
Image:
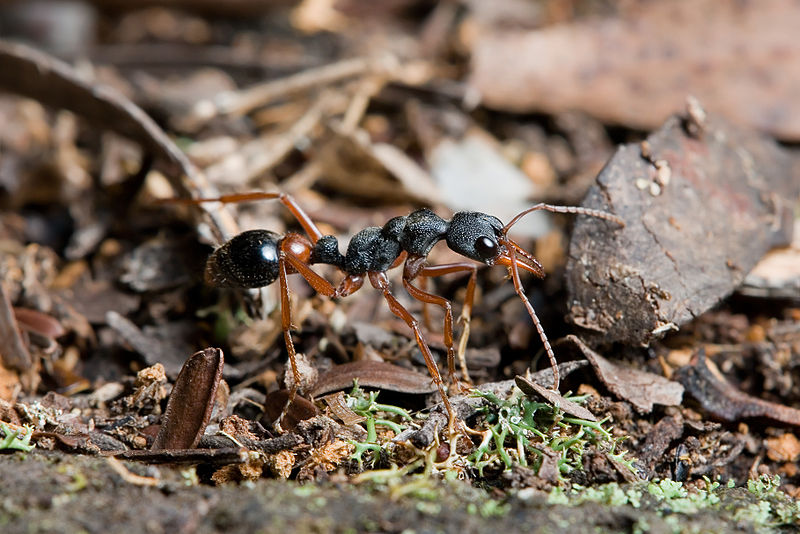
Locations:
257 258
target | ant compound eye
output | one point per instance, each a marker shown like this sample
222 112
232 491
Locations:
485 247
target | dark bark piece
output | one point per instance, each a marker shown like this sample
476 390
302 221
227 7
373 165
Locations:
299 410
373 374
659 439
191 401
533 389
700 210
718 397
641 388
267 446
14 352
34 74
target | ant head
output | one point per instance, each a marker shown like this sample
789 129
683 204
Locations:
483 238
475 235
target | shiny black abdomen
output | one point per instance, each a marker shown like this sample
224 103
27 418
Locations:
248 260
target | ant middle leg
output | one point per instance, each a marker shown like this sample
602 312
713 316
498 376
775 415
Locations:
380 282
415 268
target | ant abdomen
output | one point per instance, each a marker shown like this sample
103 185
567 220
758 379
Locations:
248 260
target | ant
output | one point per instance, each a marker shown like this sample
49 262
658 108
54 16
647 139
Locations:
257 258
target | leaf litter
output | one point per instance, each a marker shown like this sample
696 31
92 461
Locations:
359 140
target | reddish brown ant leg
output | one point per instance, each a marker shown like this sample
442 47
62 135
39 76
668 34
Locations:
294 251
381 282
286 326
287 200
415 268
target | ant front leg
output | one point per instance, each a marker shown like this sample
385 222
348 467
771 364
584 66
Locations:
380 282
415 268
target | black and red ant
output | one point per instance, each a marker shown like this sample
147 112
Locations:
256 258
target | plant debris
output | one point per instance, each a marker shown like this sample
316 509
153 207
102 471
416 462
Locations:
121 120
640 388
719 398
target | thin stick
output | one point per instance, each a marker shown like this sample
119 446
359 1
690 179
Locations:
241 102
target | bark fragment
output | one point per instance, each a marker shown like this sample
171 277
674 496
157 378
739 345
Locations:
703 201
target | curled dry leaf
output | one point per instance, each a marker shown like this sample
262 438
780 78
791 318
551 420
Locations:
717 396
637 69
338 406
702 202
641 388
299 410
15 353
373 374
191 401
38 322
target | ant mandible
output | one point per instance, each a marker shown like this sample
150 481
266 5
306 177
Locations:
256 258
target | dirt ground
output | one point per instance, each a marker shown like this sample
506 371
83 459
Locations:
145 373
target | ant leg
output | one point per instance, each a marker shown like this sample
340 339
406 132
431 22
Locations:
288 256
286 326
381 282
466 310
287 200
514 269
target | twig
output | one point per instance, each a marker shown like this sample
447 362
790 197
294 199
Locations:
243 101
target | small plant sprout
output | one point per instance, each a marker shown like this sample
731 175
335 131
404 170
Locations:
18 438
376 415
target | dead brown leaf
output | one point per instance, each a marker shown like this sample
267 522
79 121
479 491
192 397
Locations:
553 397
640 388
373 374
696 221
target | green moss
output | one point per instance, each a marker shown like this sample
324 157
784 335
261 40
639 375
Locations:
763 505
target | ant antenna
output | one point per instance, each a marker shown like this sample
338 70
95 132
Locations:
514 249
